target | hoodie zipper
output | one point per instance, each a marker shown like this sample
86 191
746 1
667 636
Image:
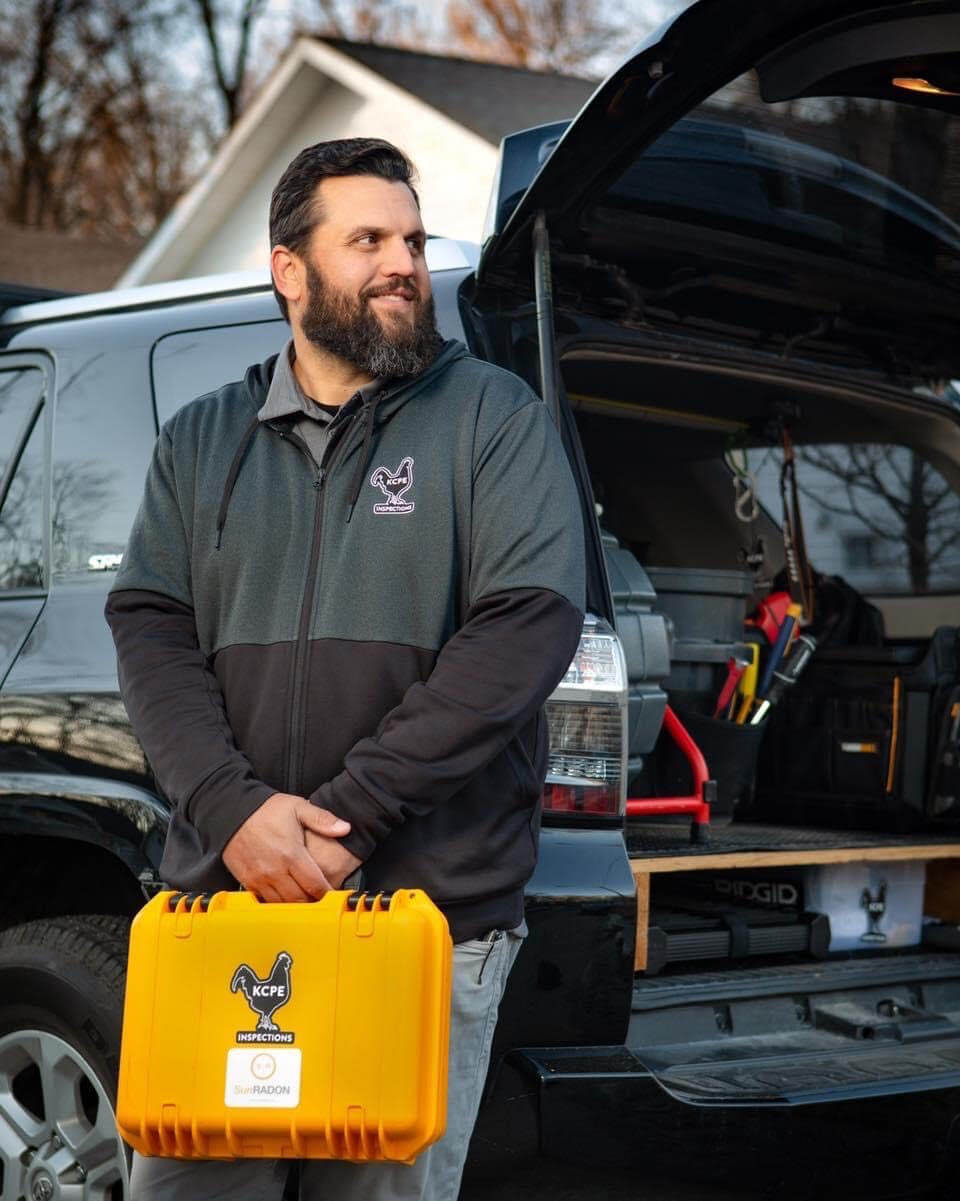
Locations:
296 710
333 452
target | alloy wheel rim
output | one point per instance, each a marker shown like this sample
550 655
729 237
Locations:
58 1134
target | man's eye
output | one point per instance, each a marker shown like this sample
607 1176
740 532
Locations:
367 239
415 245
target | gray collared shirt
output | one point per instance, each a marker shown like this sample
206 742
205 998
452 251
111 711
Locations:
285 396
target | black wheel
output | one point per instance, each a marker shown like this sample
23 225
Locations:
61 1007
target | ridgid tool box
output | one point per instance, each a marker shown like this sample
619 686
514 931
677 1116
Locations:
299 1030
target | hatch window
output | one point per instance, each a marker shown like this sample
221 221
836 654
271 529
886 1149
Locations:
878 514
866 181
862 179
823 227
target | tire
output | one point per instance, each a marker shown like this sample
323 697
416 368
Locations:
61 1007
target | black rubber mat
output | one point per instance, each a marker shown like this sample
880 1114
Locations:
850 1072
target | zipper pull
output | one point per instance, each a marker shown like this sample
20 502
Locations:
321 476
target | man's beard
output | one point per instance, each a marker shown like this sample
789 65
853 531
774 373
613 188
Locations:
352 331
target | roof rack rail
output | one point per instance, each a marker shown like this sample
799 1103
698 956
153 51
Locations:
443 254
170 292
14 294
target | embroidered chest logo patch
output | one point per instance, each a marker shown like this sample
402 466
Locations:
394 485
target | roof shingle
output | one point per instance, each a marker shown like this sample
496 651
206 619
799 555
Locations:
45 258
488 98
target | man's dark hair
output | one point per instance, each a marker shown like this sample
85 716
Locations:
295 206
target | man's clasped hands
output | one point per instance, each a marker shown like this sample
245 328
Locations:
290 850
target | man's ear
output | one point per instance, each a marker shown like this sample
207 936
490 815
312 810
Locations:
289 274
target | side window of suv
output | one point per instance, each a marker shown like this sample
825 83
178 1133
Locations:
188 364
103 437
21 479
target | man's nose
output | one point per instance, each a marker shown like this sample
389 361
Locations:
398 259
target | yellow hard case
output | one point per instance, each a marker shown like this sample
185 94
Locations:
303 1030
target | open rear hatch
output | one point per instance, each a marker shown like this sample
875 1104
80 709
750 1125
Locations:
676 218
701 192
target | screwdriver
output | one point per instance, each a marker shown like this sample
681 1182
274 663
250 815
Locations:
779 648
800 656
748 684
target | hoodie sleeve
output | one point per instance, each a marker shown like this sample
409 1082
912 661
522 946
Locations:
525 616
170 691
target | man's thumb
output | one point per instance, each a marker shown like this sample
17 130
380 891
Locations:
322 821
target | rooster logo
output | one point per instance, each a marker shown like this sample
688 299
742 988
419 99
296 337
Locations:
876 907
265 997
394 485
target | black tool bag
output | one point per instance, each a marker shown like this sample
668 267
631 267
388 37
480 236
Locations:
867 739
730 752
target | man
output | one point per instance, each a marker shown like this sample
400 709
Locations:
353 581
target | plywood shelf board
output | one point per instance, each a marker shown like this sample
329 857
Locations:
643 922
793 858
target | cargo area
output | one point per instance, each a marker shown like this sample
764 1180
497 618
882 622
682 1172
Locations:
805 945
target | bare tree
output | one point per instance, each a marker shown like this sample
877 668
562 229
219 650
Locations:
82 492
560 35
91 137
228 29
388 22
21 534
898 499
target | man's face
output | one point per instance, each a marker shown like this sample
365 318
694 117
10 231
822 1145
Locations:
368 297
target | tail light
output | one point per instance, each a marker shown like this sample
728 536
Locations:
587 718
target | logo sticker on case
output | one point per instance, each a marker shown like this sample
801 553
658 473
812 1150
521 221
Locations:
265 997
263 1079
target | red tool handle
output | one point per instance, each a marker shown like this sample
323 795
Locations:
735 672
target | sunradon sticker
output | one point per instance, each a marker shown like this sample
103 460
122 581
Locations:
261 1079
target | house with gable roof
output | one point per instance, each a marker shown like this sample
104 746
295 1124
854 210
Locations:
448 114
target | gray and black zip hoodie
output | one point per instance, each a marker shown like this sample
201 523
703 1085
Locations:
377 632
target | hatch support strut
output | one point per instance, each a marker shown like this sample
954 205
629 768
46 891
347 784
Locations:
546 335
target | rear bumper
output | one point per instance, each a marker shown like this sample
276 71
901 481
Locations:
601 1105
815 1080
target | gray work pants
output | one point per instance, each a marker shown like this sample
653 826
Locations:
480 972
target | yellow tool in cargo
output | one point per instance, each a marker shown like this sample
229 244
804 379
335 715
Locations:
313 1030
748 684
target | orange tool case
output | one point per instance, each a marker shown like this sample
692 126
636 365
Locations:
301 1030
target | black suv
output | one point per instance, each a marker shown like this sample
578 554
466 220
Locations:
743 253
